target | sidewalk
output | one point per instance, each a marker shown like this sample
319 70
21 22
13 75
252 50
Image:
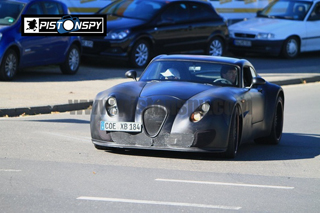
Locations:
30 98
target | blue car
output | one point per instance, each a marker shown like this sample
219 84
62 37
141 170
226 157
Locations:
17 51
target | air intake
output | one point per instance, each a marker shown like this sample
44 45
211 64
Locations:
153 119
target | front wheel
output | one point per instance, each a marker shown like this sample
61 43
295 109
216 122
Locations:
71 65
234 134
9 65
140 54
215 47
291 48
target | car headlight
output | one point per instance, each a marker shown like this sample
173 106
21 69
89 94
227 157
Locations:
200 112
265 36
118 35
111 106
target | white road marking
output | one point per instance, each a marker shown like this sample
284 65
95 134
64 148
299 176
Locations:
158 203
9 170
225 184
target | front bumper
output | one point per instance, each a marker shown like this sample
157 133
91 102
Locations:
257 46
166 142
104 47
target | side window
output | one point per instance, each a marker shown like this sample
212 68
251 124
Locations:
315 14
201 12
53 8
35 9
175 13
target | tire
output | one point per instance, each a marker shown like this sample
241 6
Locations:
234 134
71 65
140 54
215 47
291 48
9 65
277 126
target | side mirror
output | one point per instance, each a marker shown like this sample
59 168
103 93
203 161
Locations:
259 13
258 81
131 74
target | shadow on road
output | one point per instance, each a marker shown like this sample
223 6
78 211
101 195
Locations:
98 68
90 69
292 146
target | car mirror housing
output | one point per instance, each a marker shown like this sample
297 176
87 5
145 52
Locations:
259 13
258 81
131 74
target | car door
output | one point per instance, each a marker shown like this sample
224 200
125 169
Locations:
313 29
173 28
256 95
56 45
34 48
202 24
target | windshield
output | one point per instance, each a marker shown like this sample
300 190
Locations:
9 12
294 10
192 71
139 9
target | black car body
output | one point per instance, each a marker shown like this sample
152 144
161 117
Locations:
197 111
139 29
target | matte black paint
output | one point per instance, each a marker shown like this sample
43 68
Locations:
180 99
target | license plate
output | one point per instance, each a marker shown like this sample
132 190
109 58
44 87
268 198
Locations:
120 126
242 43
87 43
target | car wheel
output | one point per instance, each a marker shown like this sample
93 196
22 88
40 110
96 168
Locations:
234 134
140 54
72 62
216 47
277 125
291 48
9 65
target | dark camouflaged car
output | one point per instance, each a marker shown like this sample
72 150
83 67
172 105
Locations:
189 103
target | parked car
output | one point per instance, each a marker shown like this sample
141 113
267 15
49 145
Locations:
285 27
189 103
139 29
17 51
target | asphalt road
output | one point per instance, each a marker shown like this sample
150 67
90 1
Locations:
48 164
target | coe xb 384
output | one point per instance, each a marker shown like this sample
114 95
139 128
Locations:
189 103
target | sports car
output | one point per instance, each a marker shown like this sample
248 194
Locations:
189 103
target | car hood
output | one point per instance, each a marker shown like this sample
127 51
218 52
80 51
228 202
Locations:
115 22
176 89
262 25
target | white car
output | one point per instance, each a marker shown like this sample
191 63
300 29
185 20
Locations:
285 27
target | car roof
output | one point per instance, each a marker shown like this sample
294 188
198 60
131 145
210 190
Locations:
218 59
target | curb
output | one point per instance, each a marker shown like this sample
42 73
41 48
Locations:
85 105
297 81
44 109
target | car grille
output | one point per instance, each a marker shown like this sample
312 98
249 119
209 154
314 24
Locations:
244 35
153 119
